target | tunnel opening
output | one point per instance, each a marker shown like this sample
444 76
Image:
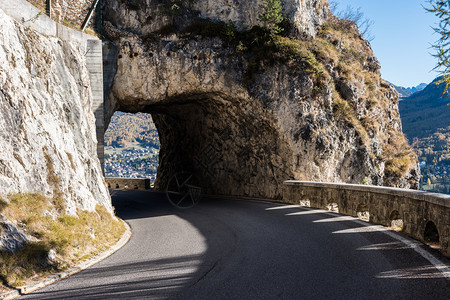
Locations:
229 145
431 235
131 146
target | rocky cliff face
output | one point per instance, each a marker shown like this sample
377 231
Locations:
244 112
144 17
47 127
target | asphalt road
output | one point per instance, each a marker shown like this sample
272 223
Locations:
228 249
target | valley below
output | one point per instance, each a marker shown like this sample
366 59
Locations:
425 119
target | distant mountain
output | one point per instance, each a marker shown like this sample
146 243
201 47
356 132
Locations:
406 92
424 112
426 122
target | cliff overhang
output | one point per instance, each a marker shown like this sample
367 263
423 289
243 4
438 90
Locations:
244 110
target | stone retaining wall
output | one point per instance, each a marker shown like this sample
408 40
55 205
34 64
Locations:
128 183
419 212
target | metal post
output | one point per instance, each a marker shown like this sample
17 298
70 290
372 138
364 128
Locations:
48 8
88 18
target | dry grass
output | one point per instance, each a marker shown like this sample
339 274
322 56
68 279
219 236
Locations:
3 204
398 155
73 238
344 112
52 178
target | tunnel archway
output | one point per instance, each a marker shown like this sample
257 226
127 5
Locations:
243 126
223 141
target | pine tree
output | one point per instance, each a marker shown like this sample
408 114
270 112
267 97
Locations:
272 16
442 10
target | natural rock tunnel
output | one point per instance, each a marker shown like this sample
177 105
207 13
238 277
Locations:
243 126
223 140
215 136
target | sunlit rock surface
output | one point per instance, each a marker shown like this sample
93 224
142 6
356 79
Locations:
241 133
47 127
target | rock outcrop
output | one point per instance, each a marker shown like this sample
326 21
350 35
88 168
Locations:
47 127
309 106
144 17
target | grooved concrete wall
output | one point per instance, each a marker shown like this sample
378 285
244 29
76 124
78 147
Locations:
415 208
94 57
110 53
32 17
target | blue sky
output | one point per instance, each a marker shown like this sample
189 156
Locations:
403 37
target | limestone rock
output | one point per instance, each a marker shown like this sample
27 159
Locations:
143 17
243 130
11 237
47 127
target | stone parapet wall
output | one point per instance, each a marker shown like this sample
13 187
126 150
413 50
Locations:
381 205
128 183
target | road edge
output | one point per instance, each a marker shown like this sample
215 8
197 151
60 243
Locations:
418 246
23 290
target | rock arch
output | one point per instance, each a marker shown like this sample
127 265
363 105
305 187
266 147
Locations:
223 141
244 129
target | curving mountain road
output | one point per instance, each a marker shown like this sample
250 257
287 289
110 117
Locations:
225 249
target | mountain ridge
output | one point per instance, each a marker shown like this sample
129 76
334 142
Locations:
405 92
425 111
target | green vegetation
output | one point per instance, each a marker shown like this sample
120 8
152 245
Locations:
425 121
176 8
337 58
425 112
434 149
271 17
263 48
434 155
73 238
337 51
26 263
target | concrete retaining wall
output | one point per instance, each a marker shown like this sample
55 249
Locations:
128 183
32 17
416 209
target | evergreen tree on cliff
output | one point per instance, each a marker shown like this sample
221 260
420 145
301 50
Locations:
272 17
442 10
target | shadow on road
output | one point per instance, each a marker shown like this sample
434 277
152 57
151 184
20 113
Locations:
231 249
